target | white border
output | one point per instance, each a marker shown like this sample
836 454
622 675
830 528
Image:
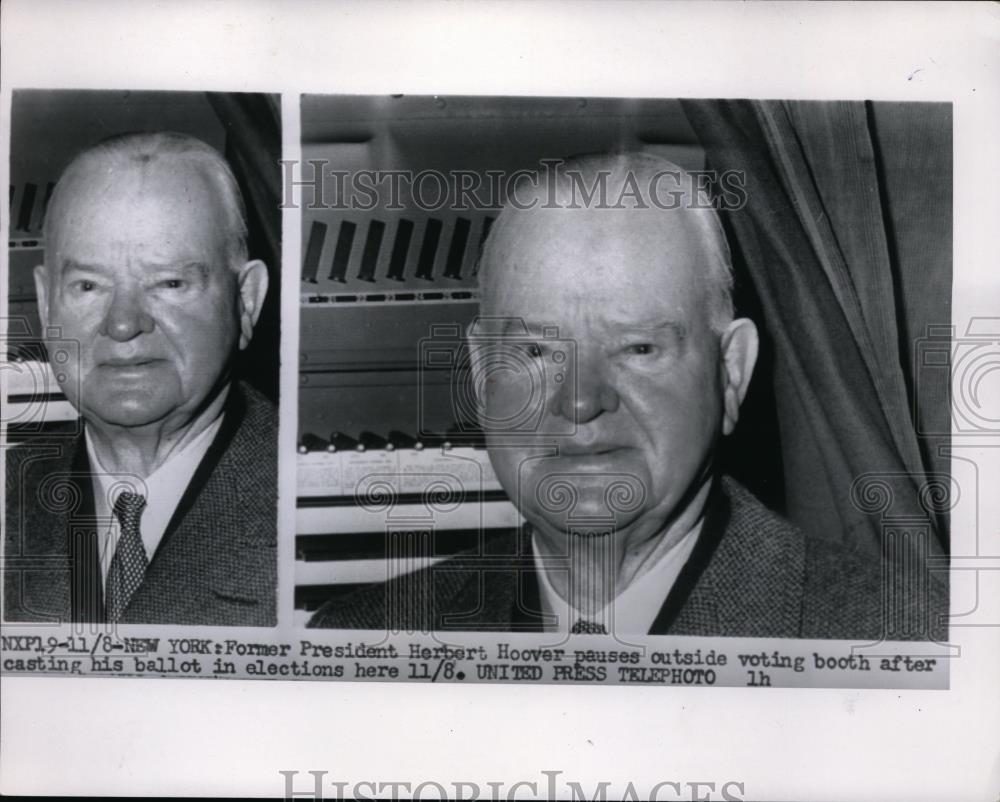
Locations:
161 736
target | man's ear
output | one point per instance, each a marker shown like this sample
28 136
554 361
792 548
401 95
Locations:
739 355
42 294
252 282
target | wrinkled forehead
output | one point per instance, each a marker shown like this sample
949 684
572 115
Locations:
102 180
613 269
606 246
159 201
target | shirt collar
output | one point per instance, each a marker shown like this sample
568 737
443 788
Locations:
162 489
631 612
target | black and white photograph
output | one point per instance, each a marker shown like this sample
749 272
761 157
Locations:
624 366
142 347
494 401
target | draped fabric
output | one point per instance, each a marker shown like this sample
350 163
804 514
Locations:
253 149
846 237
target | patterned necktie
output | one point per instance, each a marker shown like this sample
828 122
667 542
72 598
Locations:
585 627
128 566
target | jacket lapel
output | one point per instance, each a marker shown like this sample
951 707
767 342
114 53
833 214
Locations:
83 539
753 584
218 548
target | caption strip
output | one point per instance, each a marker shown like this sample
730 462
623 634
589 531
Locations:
514 659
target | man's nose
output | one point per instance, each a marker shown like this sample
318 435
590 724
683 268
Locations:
584 393
126 317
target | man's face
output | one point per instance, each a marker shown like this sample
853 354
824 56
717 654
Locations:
641 406
138 275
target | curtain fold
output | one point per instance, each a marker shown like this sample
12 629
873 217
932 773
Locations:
818 239
253 148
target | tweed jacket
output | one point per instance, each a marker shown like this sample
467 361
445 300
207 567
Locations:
751 574
216 563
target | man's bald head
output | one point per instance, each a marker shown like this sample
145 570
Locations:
643 193
146 268
145 155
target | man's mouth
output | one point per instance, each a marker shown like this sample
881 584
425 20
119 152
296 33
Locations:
129 362
595 450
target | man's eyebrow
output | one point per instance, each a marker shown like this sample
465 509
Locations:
83 267
86 267
186 267
659 325
656 326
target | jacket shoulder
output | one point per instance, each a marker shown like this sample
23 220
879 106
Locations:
851 594
840 592
261 411
249 467
752 522
258 430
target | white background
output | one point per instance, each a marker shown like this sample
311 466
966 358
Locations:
102 736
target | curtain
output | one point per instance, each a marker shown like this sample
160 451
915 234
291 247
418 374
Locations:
846 236
253 148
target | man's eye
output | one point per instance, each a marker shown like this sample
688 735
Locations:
640 349
173 284
86 286
531 349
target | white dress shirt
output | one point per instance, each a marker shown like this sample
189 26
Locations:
632 611
162 490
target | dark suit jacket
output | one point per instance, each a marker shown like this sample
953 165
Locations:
751 574
216 563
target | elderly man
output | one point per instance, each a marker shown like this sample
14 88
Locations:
164 509
606 305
